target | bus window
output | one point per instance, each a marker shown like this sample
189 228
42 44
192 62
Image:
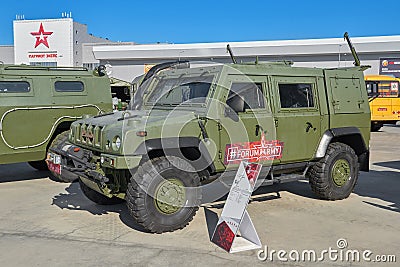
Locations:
383 88
372 88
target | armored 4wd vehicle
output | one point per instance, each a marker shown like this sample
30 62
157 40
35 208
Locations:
189 128
40 103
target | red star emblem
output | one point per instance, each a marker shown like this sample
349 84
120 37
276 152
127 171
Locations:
41 36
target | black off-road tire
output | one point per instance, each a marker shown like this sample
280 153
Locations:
321 177
140 196
98 198
58 142
39 165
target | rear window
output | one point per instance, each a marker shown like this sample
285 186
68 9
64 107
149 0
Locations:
297 95
14 87
69 86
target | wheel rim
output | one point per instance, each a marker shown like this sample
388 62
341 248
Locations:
170 196
340 172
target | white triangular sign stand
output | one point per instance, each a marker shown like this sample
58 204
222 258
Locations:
234 217
248 238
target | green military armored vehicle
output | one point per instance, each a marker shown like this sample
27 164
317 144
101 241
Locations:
37 104
190 125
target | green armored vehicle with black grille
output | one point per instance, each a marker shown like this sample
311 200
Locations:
191 124
38 104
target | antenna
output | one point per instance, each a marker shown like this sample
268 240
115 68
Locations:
228 48
352 49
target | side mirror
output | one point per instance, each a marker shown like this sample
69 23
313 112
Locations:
230 113
101 70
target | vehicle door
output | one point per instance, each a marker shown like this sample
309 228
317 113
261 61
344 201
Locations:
17 96
297 116
247 120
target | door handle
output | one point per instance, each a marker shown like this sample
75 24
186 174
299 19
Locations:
309 126
260 128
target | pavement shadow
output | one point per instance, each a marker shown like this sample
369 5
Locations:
389 164
300 188
74 199
392 125
382 185
260 195
211 221
20 172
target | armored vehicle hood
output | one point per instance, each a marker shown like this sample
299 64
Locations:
101 132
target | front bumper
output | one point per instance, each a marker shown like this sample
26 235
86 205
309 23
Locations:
78 162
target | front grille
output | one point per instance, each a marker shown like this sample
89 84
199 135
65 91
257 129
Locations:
83 133
97 136
77 136
88 134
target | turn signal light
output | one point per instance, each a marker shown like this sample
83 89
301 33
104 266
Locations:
141 133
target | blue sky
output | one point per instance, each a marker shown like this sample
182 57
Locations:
212 21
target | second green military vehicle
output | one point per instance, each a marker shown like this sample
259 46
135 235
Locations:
188 129
37 104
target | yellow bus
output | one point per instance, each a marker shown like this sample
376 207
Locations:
384 100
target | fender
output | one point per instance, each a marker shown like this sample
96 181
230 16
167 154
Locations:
336 133
332 133
174 143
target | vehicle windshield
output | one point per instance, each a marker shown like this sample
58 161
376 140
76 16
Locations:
180 90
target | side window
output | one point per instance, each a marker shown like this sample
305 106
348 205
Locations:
69 86
245 95
14 87
296 95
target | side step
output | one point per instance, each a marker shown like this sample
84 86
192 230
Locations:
285 178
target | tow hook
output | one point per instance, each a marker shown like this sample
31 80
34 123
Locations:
98 177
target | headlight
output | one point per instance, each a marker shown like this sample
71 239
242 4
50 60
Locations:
116 143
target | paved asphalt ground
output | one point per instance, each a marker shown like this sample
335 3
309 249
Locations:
45 223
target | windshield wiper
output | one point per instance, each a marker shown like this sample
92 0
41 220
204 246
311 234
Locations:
104 114
127 117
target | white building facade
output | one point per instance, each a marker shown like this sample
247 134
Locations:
128 61
52 42
64 42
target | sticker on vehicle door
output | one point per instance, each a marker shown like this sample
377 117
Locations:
253 151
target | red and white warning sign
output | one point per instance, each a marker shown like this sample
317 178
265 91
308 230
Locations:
253 151
234 217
